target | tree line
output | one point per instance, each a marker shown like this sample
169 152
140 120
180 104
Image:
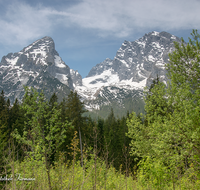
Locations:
156 150
39 128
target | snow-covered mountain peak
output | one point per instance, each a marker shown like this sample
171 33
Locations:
44 44
135 65
39 59
155 33
117 81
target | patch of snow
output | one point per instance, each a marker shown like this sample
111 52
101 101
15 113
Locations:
132 84
59 62
89 90
134 53
156 45
123 44
27 48
39 51
12 61
154 33
24 80
162 77
160 64
125 63
151 58
173 37
92 84
4 66
142 66
43 60
19 73
140 75
141 43
62 78
106 76
72 72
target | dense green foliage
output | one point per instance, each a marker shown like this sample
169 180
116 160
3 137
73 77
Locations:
168 140
38 133
59 147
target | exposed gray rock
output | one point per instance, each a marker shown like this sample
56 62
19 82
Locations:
143 58
76 78
135 66
114 82
99 68
39 59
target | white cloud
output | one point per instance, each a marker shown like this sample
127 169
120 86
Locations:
23 22
122 17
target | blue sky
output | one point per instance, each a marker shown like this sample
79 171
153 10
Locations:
86 32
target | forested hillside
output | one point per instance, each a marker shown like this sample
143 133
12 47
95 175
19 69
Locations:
46 133
46 144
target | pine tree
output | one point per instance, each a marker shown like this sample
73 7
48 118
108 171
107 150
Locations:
4 116
53 100
74 112
110 137
17 120
5 132
2 101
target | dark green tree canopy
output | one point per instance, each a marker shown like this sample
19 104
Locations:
75 109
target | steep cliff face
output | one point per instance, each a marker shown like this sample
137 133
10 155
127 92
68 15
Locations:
135 65
140 60
37 65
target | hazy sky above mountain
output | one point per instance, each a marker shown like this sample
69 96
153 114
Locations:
86 32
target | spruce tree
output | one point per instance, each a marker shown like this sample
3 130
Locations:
74 112
53 100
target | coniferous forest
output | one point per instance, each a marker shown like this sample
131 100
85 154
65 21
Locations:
46 144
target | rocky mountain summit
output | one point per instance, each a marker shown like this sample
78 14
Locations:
118 83
140 60
38 65
135 65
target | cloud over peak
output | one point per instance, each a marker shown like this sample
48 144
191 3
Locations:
22 21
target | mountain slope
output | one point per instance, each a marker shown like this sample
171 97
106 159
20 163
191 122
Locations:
38 65
135 65
116 83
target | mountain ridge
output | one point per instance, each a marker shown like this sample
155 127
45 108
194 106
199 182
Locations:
135 65
110 83
24 67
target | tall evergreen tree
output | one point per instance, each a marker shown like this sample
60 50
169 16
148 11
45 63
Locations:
74 111
4 115
53 100
110 137
2 101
